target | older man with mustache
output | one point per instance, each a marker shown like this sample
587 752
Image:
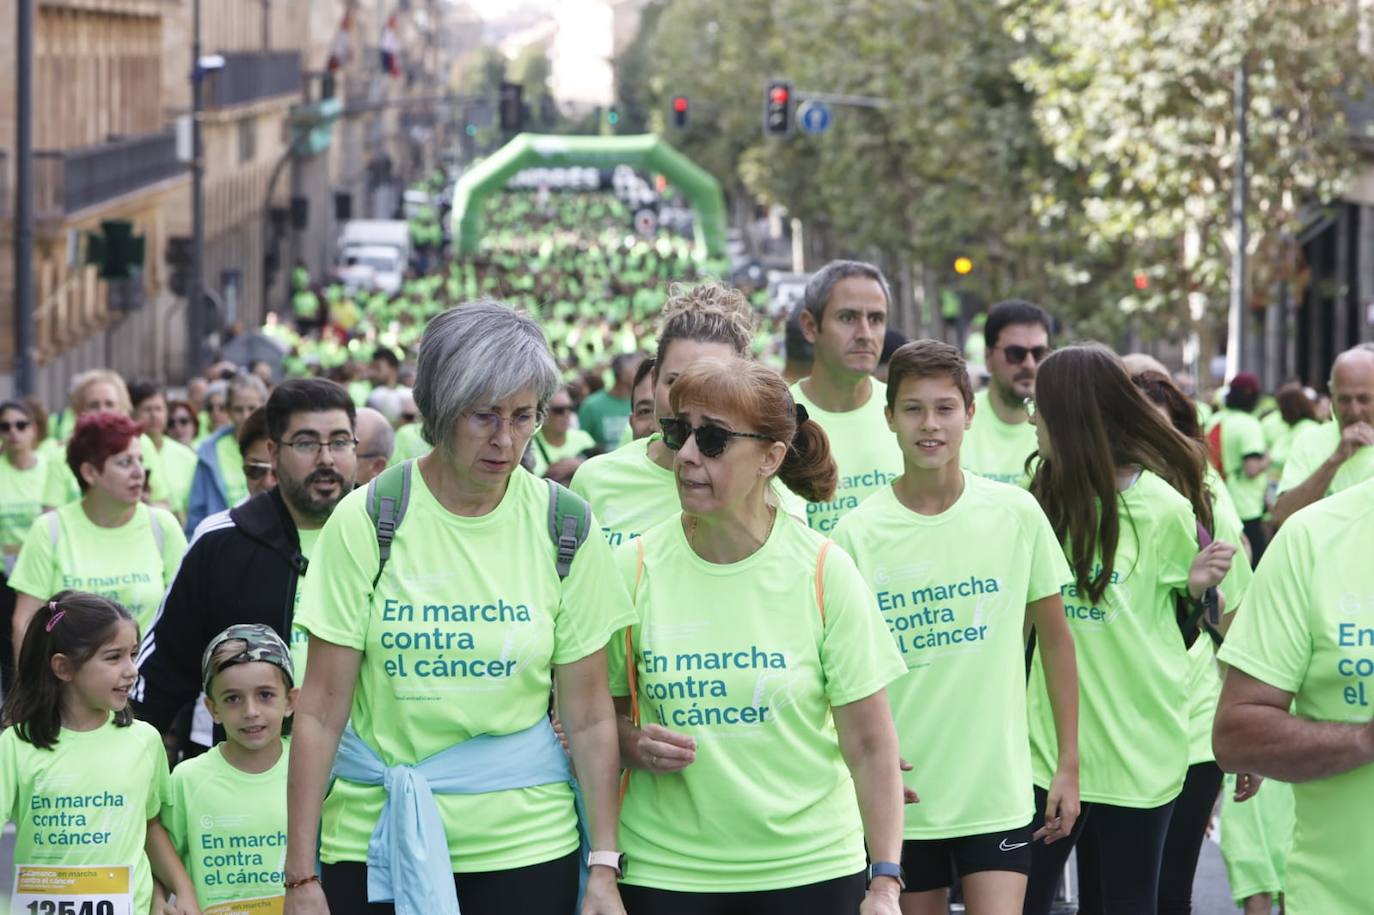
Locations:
248 564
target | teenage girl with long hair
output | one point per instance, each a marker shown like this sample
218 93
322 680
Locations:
1125 494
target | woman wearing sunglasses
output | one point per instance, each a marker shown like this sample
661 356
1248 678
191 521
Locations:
1125 493
178 461
22 469
753 634
632 488
182 423
558 448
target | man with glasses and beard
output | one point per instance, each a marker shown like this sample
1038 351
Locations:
1001 437
245 565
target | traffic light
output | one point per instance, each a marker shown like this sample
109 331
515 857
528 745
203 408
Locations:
116 250
179 259
613 115
777 108
963 265
512 107
680 111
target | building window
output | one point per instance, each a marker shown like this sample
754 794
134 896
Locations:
248 140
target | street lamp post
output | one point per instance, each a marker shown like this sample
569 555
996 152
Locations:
195 296
23 203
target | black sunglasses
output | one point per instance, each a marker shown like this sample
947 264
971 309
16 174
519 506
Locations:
1017 354
711 440
20 424
255 471
182 421
560 410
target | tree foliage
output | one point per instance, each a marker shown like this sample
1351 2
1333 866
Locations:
1066 146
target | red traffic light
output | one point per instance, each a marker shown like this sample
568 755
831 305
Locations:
1142 282
778 95
680 103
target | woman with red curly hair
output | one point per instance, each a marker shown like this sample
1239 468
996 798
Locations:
107 542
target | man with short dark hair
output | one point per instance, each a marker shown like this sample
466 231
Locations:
1238 447
386 395
843 315
1001 438
245 565
605 414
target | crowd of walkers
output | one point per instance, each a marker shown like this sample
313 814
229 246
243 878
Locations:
461 632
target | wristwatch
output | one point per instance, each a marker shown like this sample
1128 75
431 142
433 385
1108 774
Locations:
612 859
887 869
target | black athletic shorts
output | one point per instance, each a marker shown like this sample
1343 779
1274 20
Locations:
932 864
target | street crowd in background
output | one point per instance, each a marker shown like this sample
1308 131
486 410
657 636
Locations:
822 620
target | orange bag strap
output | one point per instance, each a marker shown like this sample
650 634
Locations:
820 578
631 674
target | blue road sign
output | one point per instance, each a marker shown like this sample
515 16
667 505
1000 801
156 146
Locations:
814 117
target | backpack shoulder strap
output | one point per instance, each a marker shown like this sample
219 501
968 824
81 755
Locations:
820 578
54 528
387 497
570 519
631 675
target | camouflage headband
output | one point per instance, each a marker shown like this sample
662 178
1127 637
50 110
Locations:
263 644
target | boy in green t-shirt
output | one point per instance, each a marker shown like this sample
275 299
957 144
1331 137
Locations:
957 615
227 809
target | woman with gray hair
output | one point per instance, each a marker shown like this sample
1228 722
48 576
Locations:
444 616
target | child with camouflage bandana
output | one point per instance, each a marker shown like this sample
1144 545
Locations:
227 814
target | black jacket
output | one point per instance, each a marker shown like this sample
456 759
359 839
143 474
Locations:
241 567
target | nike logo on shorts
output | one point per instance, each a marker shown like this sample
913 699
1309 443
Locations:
1005 847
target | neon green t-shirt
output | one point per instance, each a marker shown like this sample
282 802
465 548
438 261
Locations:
1309 451
546 455
1308 629
86 803
410 443
603 416
119 563
231 469
1256 838
994 449
300 639
630 493
21 500
1280 437
956 615
749 666
229 829
865 451
459 639
1204 678
1242 436
1132 666
61 485
179 464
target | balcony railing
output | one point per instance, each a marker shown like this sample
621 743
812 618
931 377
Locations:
252 76
71 180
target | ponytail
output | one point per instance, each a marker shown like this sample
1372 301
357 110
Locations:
809 469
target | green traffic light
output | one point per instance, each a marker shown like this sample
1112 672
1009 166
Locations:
613 117
472 130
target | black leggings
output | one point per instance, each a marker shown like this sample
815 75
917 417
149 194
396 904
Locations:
1182 845
840 896
1129 845
549 887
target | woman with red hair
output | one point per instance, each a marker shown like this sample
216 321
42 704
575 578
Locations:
107 542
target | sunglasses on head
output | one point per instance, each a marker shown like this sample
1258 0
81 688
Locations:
255 471
711 439
1017 354
19 424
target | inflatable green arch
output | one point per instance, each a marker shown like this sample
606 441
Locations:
646 152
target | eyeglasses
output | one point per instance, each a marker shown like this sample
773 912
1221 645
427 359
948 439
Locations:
1029 404
310 447
1017 354
560 410
256 470
711 439
182 421
19 424
489 424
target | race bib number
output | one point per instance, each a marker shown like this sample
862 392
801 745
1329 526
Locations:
270 905
42 890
